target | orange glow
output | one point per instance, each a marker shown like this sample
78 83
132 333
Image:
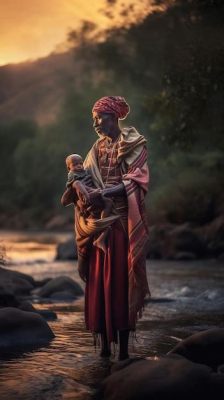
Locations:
33 28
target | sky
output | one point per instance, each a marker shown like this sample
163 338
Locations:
30 29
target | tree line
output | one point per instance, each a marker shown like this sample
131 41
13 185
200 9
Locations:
170 68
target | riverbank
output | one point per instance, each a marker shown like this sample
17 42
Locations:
187 297
166 241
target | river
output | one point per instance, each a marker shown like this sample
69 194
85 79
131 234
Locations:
186 297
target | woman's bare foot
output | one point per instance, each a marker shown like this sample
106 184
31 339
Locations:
105 347
105 353
123 339
123 356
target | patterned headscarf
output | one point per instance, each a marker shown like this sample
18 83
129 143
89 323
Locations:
113 105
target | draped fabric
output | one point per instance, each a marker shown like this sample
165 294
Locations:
106 294
130 240
113 105
136 182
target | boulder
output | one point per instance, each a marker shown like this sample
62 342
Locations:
159 243
170 377
59 222
26 305
220 369
60 284
22 328
46 314
7 299
63 295
42 282
67 250
180 242
15 282
184 255
214 236
206 347
185 239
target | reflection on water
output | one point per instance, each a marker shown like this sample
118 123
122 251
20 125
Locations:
25 247
67 368
187 297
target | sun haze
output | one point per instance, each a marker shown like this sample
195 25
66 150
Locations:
33 28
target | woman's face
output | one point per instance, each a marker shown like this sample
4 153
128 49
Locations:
103 123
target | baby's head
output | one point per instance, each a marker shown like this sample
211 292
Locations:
74 163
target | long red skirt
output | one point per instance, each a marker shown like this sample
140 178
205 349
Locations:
106 295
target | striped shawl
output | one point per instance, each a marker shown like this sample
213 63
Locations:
132 156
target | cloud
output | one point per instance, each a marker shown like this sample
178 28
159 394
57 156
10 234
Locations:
33 28
29 29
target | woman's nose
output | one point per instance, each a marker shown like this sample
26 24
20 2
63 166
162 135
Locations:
95 123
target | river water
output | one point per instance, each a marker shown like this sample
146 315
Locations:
186 297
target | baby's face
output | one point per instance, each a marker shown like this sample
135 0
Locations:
76 164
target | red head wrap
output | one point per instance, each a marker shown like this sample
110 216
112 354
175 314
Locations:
112 105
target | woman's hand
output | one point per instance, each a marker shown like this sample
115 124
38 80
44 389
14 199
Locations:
95 195
116 190
68 197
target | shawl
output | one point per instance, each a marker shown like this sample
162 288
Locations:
132 156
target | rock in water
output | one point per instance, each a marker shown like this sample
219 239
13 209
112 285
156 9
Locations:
60 284
206 347
169 378
15 282
67 250
22 328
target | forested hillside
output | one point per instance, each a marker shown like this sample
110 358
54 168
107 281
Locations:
169 67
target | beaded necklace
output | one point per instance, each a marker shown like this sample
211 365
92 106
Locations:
112 152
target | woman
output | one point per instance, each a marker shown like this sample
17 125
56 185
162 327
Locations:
115 274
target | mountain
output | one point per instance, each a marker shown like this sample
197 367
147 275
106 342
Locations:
36 89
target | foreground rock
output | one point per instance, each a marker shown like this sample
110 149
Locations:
9 300
22 328
172 377
46 314
205 347
61 287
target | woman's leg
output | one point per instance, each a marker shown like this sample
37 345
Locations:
123 341
105 347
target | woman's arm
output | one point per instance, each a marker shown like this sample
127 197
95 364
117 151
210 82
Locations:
68 197
76 191
116 190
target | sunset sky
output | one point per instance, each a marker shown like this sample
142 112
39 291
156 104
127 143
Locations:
33 28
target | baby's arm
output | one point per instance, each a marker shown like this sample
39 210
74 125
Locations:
81 191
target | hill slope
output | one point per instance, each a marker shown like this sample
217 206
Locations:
36 89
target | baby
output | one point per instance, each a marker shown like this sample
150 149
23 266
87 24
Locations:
97 206
90 203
